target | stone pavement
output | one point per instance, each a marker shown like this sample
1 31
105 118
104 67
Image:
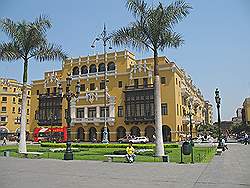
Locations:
231 170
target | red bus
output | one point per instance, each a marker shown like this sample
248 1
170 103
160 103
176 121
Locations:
50 134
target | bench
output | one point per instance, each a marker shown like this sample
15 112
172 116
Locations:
36 154
111 157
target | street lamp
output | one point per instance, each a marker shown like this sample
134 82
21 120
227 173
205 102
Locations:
217 100
104 38
190 128
68 155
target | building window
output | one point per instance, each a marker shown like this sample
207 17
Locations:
3 108
136 83
48 90
5 89
4 99
120 111
75 71
92 112
179 83
28 112
111 66
3 119
163 80
177 109
54 90
19 100
28 92
120 84
101 67
176 81
102 112
92 68
164 109
28 102
102 85
80 113
82 87
84 69
145 82
37 92
13 109
27 120
14 89
92 86
14 100
19 110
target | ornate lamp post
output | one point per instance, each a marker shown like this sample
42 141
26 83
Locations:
217 100
104 38
190 128
68 155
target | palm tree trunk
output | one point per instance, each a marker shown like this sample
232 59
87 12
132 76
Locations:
157 102
22 143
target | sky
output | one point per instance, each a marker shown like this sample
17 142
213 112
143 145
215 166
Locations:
216 52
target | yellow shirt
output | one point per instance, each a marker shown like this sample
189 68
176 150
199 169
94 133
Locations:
130 150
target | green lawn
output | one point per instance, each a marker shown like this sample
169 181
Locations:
201 154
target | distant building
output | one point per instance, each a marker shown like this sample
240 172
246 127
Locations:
238 119
208 113
10 106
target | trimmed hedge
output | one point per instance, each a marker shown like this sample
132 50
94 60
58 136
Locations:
77 145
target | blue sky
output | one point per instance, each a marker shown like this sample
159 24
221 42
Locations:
216 51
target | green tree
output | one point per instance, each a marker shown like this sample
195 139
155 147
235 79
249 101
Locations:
153 29
27 40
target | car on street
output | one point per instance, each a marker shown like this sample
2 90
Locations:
141 139
125 139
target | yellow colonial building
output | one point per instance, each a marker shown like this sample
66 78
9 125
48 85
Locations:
10 106
130 98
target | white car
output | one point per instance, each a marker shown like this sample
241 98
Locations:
141 139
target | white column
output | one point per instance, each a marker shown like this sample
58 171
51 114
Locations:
97 111
72 110
85 112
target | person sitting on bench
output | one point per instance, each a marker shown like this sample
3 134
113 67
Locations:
130 156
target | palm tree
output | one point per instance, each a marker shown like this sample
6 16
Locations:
27 40
153 30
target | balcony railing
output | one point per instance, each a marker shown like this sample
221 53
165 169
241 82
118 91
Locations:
139 87
136 119
95 120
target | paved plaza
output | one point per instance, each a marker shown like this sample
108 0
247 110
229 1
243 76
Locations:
231 170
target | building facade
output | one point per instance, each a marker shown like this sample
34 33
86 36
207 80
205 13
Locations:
130 98
10 106
246 111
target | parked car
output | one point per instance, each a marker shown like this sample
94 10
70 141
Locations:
125 139
141 139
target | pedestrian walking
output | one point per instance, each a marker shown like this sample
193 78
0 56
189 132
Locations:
4 141
246 138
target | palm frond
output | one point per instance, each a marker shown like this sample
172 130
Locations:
42 23
170 40
8 27
131 36
9 51
177 11
137 7
49 52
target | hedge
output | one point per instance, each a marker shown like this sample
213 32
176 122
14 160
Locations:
77 145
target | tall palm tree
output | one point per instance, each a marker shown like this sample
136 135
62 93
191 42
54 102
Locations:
153 30
27 40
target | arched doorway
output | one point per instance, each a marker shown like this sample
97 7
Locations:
121 132
80 134
92 134
149 132
166 133
102 134
135 131
3 132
